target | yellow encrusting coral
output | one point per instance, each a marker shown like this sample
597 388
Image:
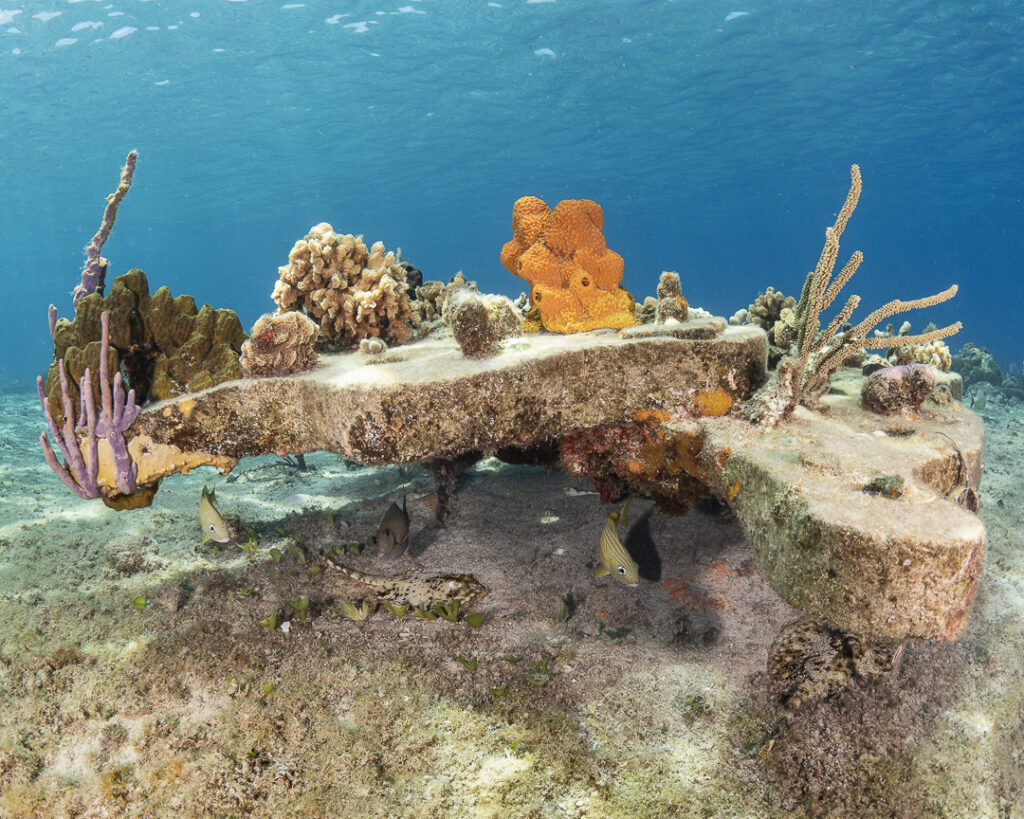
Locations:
350 291
574 278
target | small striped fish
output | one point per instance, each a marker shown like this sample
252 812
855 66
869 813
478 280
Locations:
213 525
615 560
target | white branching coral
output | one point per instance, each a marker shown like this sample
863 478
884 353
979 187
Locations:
350 291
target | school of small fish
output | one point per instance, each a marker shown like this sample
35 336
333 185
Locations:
393 539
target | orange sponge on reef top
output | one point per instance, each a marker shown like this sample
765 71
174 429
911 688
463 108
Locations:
573 276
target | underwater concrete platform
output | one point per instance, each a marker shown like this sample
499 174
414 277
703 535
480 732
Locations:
426 400
860 520
853 516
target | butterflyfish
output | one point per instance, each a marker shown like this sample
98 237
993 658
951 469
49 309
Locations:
213 525
393 533
615 560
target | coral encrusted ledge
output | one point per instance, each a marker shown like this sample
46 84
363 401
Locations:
863 521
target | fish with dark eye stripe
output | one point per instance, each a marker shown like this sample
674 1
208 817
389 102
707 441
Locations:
615 560
213 525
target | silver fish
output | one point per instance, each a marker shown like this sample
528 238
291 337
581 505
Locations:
615 560
393 533
573 492
213 525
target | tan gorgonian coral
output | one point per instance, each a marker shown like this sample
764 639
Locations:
821 354
279 345
350 291
804 377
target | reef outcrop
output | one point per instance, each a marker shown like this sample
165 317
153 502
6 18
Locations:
888 565
573 276
650 409
857 494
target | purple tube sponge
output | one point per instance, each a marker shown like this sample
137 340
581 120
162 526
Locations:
117 414
95 272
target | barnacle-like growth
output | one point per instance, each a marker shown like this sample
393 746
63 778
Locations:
573 276
804 377
480 322
671 302
350 291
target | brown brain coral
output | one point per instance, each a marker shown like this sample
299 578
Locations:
350 291
573 276
279 345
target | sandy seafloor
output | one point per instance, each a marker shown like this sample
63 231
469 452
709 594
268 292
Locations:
647 702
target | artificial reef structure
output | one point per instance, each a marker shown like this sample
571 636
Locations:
858 501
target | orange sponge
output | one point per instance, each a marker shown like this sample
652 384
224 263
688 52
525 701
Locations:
573 276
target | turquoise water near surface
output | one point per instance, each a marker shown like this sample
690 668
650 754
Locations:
717 137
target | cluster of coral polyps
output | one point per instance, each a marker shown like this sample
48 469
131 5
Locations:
351 292
573 276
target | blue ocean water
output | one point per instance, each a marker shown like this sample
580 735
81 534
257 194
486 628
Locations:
717 136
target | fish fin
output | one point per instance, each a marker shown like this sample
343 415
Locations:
399 548
601 571
206 536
